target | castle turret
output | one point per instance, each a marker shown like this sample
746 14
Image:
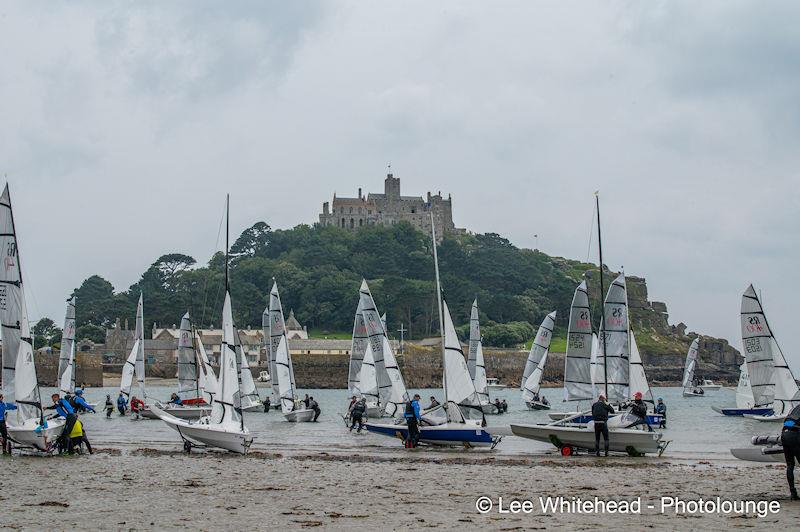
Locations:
391 187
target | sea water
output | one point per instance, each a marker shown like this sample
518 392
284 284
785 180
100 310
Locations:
695 429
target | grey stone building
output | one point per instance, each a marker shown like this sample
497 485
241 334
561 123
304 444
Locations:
390 208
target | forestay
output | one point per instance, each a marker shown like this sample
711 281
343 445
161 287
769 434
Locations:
66 359
614 352
577 369
541 345
227 408
188 379
474 340
759 348
462 400
357 348
689 367
375 334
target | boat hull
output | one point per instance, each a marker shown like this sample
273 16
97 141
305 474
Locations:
620 440
26 435
583 419
756 454
742 411
178 411
765 418
374 411
490 409
221 436
693 394
536 405
447 434
299 416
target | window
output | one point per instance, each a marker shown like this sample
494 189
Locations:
360 222
352 223
343 224
151 359
351 210
413 210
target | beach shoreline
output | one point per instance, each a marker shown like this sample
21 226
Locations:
160 487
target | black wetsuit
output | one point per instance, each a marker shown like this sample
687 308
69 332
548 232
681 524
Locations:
639 409
357 415
790 440
600 412
411 420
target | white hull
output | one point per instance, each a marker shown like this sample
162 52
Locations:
490 409
557 416
228 437
755 454
300 416
630 441
26 435
374 411
693 394
496 387
259 407
178 411
772 418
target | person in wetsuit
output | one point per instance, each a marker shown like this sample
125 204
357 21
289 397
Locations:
639 409
661 408
4 407
357 415
600 411
412 419
790 440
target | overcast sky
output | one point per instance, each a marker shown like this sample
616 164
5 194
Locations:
125 123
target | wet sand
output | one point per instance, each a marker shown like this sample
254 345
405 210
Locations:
130 488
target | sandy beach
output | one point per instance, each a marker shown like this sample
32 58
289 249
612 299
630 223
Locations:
139 488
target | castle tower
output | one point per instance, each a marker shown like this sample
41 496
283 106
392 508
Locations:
391 187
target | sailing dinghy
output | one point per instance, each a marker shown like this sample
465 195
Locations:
745 403
689 389
293 409
251 401
189 376
615 355
760 343
66 358
26 425
460 421
534 366
224 428
476 363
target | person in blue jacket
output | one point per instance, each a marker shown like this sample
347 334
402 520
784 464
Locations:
122 404
3 429
412 416
80 404
175 399
65 410
790 440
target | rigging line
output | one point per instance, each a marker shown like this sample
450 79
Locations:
205 284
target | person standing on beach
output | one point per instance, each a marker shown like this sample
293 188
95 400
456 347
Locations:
661 408
412 420
3 430
122 404
313 405
306 401
357 415
267 404
79 403
790 440
600 411
109 406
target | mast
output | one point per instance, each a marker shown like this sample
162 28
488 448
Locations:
227 235
602 292
439 303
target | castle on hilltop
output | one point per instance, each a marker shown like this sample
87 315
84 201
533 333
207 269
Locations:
390 208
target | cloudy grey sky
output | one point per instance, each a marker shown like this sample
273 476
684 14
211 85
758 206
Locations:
124 123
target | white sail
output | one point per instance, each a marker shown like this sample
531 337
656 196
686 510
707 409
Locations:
139 335
367 378
744 393
614 352
227 408
474 341
277 330
638 378
539 351
207 378
375 334
285 380
394 407
188 380
357 348
759 348
128 370
577 369
539 347
383 322
270 350
284 372
480 382
689 367
462 401
66 359
249 392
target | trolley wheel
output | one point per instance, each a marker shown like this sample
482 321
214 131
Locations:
567 451
187 446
